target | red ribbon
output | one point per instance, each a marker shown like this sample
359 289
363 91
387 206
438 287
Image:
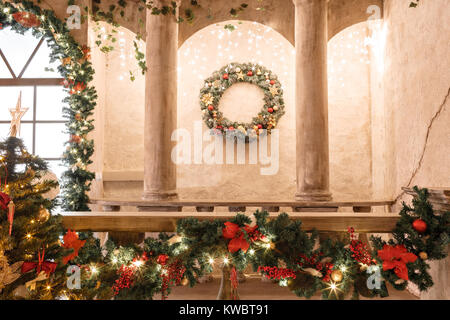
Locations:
46 266
234 283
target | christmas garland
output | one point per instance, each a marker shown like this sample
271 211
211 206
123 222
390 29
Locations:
221 80
279 249
76 69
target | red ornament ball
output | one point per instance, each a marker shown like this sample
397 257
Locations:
259 126
225 76
270 110
231 128
250 73
272 82
419 225
210 108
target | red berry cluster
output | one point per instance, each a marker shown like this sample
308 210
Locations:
325 268
276 273
359 249
172 274
125 280
127 275
253 233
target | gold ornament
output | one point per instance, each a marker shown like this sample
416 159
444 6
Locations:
337 276
423 255
258 72
43 214
184 282
240 76
207 99
273 91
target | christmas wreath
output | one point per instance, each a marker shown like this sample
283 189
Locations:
221 80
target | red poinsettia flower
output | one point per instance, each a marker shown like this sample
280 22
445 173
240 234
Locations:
71 241
230 230
396 258
78 88
238 243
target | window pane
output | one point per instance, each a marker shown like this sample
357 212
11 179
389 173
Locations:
50 140
40 61
56 167
17 48
49 103
8 100
4 72
26 133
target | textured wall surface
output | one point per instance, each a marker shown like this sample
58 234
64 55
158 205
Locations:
417 85
206 52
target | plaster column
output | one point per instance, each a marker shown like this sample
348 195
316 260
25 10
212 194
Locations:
160 104
311 92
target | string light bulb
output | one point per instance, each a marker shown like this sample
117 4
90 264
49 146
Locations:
226 260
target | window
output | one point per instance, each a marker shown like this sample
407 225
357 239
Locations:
25 67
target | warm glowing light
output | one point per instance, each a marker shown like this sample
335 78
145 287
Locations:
251 252
48 287
343 268
114 260
138 263
28 235
94 270
225 260
211 260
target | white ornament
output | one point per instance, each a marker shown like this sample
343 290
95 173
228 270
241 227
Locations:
238 69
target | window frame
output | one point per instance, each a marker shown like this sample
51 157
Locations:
18 81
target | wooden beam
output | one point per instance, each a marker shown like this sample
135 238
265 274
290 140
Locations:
166 221
303 204
31 82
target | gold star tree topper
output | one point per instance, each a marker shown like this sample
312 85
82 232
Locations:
17 115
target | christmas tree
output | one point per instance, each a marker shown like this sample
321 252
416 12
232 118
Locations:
30 249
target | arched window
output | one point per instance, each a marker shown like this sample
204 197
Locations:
25 67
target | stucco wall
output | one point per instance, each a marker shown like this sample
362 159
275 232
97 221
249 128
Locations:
417 85
349 114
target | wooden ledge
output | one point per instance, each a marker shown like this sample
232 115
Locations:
193 203
166 221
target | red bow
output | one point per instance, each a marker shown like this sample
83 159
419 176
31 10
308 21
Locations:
236 234
396 258
46 266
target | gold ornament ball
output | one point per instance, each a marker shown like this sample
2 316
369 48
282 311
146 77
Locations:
423 255
337 276
184 282
43 214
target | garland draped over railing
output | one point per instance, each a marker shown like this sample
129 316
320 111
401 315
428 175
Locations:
76 68
279 249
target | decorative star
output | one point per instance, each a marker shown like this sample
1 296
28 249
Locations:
273 91
17 115
240 76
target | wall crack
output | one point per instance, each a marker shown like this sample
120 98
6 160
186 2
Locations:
430 126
